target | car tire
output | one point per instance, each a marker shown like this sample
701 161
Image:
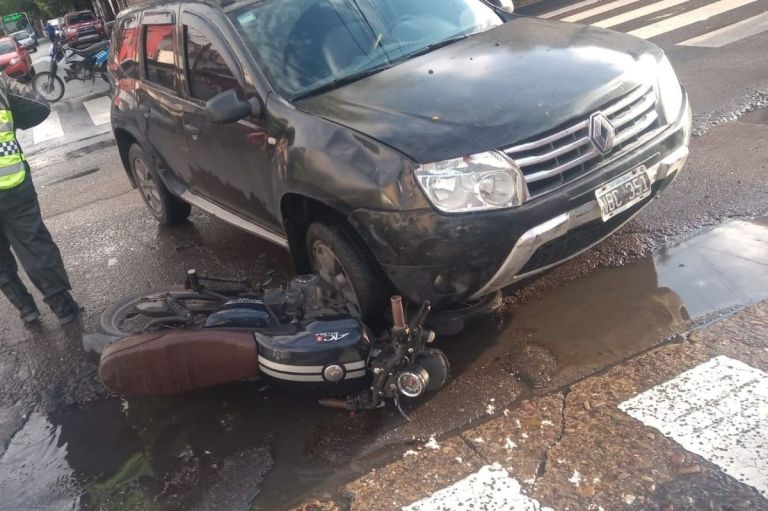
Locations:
164 206
341 259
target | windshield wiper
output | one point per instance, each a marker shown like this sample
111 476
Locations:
344 80
434 46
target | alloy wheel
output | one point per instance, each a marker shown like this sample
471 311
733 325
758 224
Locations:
148 187
330 269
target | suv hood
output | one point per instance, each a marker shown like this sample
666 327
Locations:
491 90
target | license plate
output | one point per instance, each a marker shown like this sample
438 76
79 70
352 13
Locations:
623 192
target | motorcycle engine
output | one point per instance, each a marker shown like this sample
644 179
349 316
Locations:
303 336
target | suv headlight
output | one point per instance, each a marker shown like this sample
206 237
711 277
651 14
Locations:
478 182
670 90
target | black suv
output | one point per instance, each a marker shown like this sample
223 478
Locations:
443 148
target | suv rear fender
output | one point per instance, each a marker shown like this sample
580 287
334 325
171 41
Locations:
124 141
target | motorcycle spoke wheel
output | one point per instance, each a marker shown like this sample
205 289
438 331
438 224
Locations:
49 86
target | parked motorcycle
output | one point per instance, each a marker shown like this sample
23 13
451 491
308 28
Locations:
216 330
78 64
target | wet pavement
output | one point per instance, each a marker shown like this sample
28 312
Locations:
170 453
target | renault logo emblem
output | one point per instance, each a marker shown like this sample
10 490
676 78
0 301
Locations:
601 132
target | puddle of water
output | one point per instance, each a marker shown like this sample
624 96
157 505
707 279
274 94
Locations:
614 313
56 461
759 116
242 447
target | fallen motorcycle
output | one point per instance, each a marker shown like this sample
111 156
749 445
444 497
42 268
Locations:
217 330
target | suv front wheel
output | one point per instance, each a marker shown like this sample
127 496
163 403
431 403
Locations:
164 206
343 262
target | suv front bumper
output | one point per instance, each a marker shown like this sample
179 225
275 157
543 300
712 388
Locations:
448 258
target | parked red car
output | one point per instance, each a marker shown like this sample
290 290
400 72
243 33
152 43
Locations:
83 28
15 60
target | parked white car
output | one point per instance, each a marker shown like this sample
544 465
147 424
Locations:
26 40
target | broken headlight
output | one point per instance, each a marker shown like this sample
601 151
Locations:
478 182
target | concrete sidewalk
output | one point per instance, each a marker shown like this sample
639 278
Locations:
623 439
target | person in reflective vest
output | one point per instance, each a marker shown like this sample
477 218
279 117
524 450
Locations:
22 230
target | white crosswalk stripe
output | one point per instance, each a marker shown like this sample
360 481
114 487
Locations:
731 33
717 410
662 17
687 18
98 109
610 6
48 129
67 123
638 13
569 8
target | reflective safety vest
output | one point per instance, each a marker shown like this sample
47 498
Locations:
12 168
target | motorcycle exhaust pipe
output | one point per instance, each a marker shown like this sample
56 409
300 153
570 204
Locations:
333 402
398 312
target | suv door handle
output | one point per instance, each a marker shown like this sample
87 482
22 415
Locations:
144 109
191 129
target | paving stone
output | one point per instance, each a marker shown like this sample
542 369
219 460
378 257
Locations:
519 438
418 474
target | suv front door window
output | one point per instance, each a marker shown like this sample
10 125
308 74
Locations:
231 159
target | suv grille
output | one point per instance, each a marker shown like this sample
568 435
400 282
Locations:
568 153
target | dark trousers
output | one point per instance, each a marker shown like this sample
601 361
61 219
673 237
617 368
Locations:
22 229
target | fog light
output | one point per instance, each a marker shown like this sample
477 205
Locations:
333 373
413 381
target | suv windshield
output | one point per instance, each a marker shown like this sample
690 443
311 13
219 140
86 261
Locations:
80 17
307 46
20 35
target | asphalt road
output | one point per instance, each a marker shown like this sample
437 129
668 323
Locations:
65 442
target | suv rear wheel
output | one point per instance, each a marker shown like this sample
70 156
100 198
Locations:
342 261
164 206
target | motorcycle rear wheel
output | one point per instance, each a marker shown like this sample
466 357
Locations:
121 320
49 86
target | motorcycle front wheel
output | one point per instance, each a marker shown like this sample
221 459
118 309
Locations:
49 86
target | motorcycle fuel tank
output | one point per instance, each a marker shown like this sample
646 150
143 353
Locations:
324 350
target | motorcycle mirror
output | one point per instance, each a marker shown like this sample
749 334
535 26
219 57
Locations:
227 107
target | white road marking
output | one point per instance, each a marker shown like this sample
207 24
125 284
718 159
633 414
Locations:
568 8
689 18
638 13
48 129
731 33
491 489
599 10
718 410
99 110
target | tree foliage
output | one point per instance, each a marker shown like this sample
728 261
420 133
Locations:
42 9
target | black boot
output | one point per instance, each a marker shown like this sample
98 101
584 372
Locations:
18 295
64 306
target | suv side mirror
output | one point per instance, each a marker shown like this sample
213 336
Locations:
227 107
503 5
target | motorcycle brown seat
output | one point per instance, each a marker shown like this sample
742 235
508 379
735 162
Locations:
91 50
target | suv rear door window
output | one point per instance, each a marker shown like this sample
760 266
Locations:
207 70
126 56
159 55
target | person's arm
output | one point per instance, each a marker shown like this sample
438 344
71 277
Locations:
28 107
